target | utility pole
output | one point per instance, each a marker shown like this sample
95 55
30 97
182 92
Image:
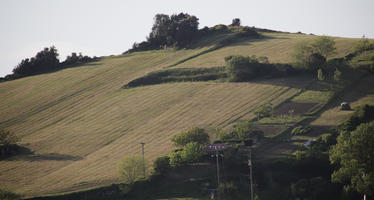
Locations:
250 171
217 154
142 143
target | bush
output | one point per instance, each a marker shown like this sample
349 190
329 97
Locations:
241 68
8 195
197 135
161 165
299 130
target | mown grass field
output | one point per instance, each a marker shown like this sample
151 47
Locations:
276 46
79 122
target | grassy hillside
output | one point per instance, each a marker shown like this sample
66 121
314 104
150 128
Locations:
79 122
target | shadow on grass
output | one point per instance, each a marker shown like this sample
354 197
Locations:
27 155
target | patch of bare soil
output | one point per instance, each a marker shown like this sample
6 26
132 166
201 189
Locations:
318 130
297 107
269 129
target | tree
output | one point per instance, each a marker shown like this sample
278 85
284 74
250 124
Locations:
324 45
312 55
363 45
235 22
44 60
191 135
243 130
354 153
130 168
192 152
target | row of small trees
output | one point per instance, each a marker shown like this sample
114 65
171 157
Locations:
44 61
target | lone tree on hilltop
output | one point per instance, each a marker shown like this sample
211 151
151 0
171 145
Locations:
236 22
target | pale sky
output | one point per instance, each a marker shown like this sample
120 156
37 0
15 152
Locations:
106 27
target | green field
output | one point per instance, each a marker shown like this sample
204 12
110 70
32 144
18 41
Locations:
79 122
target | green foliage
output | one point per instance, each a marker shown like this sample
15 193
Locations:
363 45
242 68
320 75
192 152
8 195
362 114
243 130
312 55
7 138
197 135
299 130
265 110
176 159
179 75
130 168
354 153
44 60
324 46
77 59
161 165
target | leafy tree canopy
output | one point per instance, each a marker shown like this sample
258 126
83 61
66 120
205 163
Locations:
192 135
354 153
130 168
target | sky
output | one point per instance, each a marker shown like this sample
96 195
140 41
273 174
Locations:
110 27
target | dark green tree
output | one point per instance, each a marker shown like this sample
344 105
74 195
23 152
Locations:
235 22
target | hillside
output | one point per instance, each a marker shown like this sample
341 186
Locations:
78 122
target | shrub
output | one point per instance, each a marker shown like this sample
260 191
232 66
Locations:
162 164
197 135
242 68
299 130
362 114
8 195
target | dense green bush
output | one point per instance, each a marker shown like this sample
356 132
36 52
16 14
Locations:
197 135
161 165
241 68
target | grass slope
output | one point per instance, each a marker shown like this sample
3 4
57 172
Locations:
79 123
